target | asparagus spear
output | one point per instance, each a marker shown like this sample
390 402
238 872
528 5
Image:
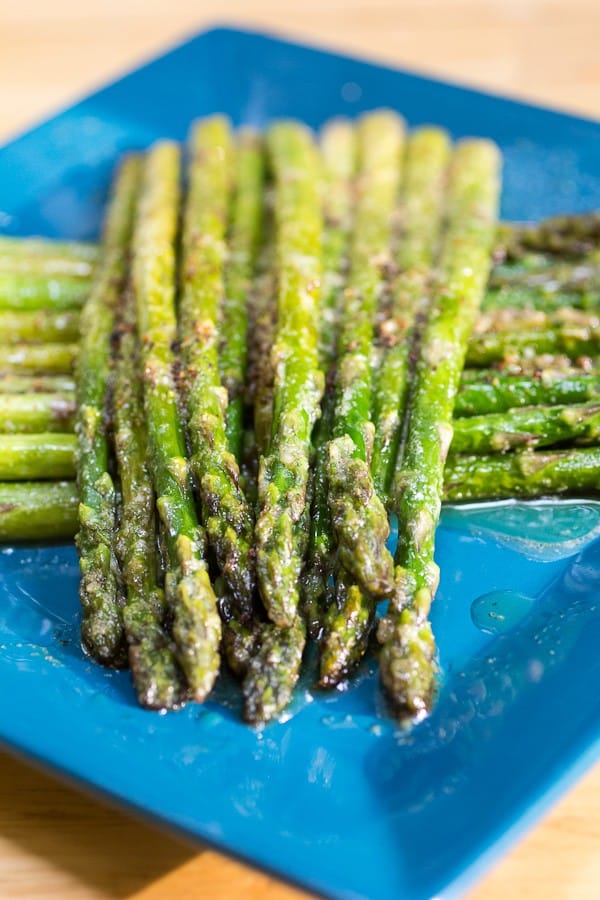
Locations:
100 589
507 320
35 413
157 677
282 488
573 340
534 364
407 657
495 392
548 276
36 456
47 257
338 152
21 291
352 611
359 517
39 359
518 296
273 671
244 241
532 426
530 473
225 512
262 319
240 642
39 326
568 235
36 384
428 153
38 510
188 591
348 624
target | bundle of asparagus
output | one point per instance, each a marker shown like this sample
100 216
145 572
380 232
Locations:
238 452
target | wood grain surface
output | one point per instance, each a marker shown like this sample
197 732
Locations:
54 841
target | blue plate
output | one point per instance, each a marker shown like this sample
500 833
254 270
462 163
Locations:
334 798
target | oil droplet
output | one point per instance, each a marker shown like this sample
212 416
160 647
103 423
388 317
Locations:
499 611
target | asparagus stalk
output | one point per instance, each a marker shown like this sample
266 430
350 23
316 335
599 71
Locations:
241 641
549 276
100 589
521 297
281 536
503 346
359 517
38 359
36 456
348 624
22 291
338 155
188 590
533 365
495 392
36 384
273 671
225 512
338 152
407 657
528 474
428 153
262 319
39 326
47 257
35 413
352 612
244 241
509 320
38 510
568 235
157 677
532 426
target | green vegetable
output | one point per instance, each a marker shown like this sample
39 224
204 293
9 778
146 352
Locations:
407 658
226 515
38 510
281 528
358 515
38 359
36 384
273 671
47 257
158 679
244 241
36 456
338 152
101 590
531 426
427 157
495 392
39 326
528 474
23 291
35 413
188 590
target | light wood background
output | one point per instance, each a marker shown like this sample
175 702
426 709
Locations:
54 842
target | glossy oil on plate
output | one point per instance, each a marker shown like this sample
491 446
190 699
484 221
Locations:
334 797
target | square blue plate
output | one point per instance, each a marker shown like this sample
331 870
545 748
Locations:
334 798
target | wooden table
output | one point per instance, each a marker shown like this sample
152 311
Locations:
54 842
